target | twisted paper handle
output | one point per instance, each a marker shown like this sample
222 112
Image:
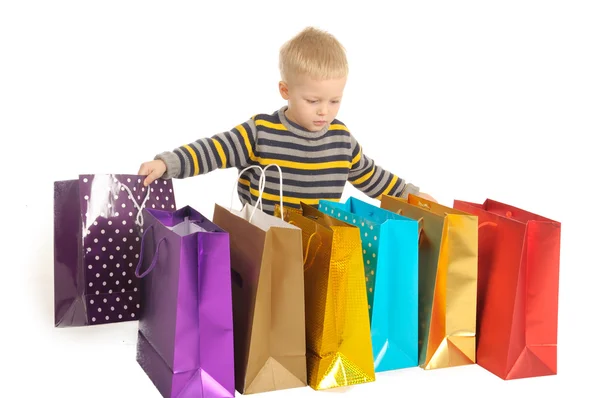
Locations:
139 218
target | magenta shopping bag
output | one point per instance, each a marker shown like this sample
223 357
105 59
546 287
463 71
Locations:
185 337
97 221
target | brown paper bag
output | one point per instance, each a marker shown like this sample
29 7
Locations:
268 300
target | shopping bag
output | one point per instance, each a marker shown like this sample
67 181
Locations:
268 299
390 256
447 281
97 220
185 335
337 317
519 256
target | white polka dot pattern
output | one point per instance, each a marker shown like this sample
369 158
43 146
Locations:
369 232
111 242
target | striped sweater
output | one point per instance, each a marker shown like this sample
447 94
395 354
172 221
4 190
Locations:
315 165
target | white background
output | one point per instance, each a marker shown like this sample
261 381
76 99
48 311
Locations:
468 100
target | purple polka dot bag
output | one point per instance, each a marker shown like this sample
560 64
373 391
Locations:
97 233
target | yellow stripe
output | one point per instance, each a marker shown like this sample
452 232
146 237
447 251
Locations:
357 157
365 177
221 153
389 188
275 198
244 134
195 158
276 126
338 127
305 166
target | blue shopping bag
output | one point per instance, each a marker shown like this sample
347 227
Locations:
390 249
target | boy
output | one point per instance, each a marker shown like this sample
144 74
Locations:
316 152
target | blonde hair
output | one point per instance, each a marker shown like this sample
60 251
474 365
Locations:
315 53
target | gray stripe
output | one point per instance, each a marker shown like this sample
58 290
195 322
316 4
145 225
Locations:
397 191
212 161
252 131
371 184
290 190
229 155
238 149
204 165
372 192
300 154
286 137
187 166
364 164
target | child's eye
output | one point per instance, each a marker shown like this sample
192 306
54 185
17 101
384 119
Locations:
312 101
335 102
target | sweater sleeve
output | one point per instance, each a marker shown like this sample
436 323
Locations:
233 148
372 179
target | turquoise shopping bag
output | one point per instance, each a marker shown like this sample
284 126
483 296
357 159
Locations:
390 251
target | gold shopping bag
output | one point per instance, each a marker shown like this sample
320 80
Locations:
447 280
339 351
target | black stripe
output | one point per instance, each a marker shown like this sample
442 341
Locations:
336 121
395 187
240 139
273 118
213 148
370 183
301 159
188 155
330 133
250 136
355 152
298 195
304 148
319 172
243 195
389 180
303 195
363 173
225 151
236 157
202 144
182 163
340 182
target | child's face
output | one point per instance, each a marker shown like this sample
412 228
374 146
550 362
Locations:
312 103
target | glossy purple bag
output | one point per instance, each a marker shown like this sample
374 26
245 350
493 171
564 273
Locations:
97 221
185 336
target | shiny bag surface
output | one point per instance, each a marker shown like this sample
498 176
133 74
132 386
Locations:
185 335
390 255
97 222
447 281
519 255
337 318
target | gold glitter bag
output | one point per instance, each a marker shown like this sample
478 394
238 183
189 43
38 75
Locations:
339 351
447 281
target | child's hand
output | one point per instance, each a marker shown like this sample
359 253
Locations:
153 170
426 196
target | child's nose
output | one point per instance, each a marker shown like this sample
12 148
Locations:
322 111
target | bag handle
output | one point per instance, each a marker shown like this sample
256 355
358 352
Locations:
139 218
263 182
154 257
486 223
237 181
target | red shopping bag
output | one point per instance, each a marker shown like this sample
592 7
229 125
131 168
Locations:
517 290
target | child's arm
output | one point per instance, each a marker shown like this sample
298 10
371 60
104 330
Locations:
373 180
234 148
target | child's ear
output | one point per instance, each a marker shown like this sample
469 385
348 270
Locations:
284 90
